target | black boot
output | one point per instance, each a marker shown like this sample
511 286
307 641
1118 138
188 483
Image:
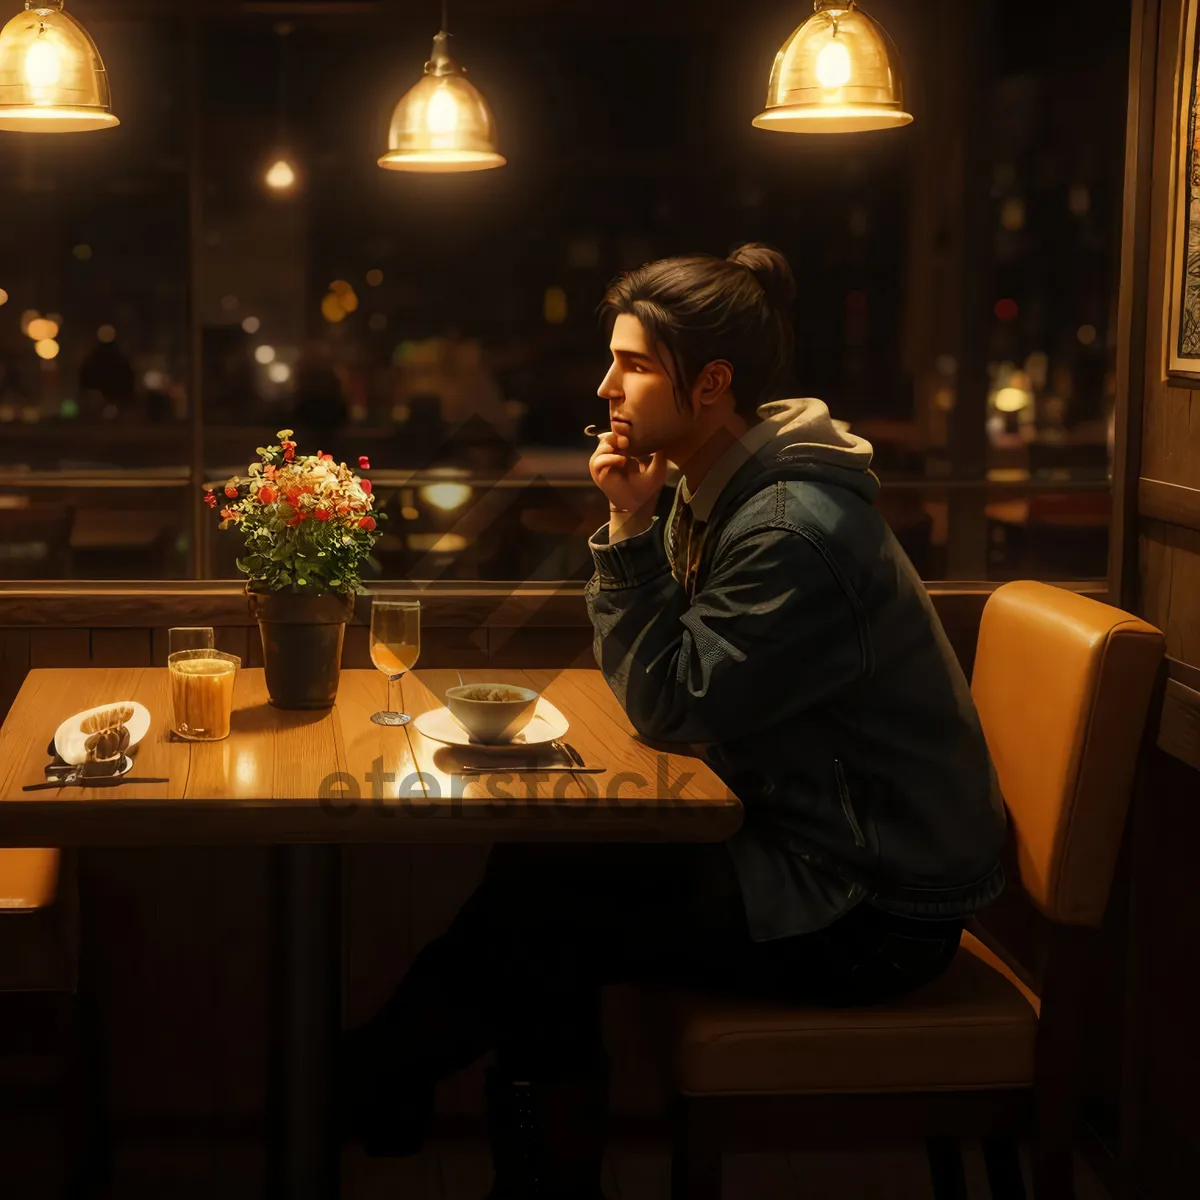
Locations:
387 1109
547 1135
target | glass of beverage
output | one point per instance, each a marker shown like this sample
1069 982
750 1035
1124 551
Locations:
189 637
395 646
202 693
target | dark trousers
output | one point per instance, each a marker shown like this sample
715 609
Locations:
521 967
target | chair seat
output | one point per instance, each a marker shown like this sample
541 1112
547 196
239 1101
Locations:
28 878
972 1028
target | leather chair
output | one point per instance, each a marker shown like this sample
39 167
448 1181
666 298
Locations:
1063 685
34 954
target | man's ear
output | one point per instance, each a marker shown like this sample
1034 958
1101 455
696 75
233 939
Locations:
713 382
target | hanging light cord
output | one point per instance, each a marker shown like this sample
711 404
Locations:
445 17
283 29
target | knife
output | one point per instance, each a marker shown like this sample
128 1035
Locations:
530 770
94 781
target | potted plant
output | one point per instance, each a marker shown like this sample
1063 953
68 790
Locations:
308 527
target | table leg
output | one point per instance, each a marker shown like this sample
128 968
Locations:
305 1151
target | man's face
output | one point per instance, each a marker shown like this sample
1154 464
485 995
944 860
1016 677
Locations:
639 391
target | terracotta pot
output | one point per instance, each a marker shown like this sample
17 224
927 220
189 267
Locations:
302 645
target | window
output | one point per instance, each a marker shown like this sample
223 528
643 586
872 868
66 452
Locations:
445 326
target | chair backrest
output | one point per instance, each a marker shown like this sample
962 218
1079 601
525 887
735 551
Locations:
28 879
1063 684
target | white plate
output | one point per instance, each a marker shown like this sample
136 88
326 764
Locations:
69 739
546 724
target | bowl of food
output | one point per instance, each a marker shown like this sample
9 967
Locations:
492 712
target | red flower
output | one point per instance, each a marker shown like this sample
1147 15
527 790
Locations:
367 523
308 489
227 514
343 509
366 485
269 471
231 491
268 494
289 452
364 463
322 514
292 496
210 500
296 520
324 457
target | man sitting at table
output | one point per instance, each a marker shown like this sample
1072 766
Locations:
776 627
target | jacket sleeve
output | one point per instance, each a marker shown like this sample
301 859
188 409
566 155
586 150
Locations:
774 631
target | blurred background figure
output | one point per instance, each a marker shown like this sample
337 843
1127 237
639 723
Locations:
105 377
320 410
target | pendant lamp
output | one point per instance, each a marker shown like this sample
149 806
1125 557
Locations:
839 72
51 77
282 174
442 123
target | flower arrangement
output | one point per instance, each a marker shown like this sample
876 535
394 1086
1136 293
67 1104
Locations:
307 521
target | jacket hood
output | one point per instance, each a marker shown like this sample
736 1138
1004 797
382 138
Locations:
795 439
804 431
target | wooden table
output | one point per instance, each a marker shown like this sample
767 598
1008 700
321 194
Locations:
309 782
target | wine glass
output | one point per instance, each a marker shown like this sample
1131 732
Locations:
395 646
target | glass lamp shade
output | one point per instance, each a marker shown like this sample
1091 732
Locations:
51 76
442 123
839 72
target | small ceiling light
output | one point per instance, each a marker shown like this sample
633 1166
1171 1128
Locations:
51 77
839 72
280 176
47 348
442 123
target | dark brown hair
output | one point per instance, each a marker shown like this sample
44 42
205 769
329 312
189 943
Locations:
701 308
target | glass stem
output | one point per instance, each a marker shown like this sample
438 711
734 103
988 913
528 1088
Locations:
392 679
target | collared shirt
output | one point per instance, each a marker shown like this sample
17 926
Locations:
756 438
688 522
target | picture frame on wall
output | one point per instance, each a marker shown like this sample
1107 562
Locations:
1182 318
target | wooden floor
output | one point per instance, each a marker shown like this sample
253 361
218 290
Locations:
461 1170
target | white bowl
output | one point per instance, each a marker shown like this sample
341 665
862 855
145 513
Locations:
497 720
71 741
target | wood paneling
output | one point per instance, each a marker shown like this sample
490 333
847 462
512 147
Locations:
1170 449
1169 568
121 648
532 647
1170 502
59 647
87 624
1155 1145
1179 733
14 663
138 605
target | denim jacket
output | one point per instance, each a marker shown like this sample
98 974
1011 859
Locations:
810 669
